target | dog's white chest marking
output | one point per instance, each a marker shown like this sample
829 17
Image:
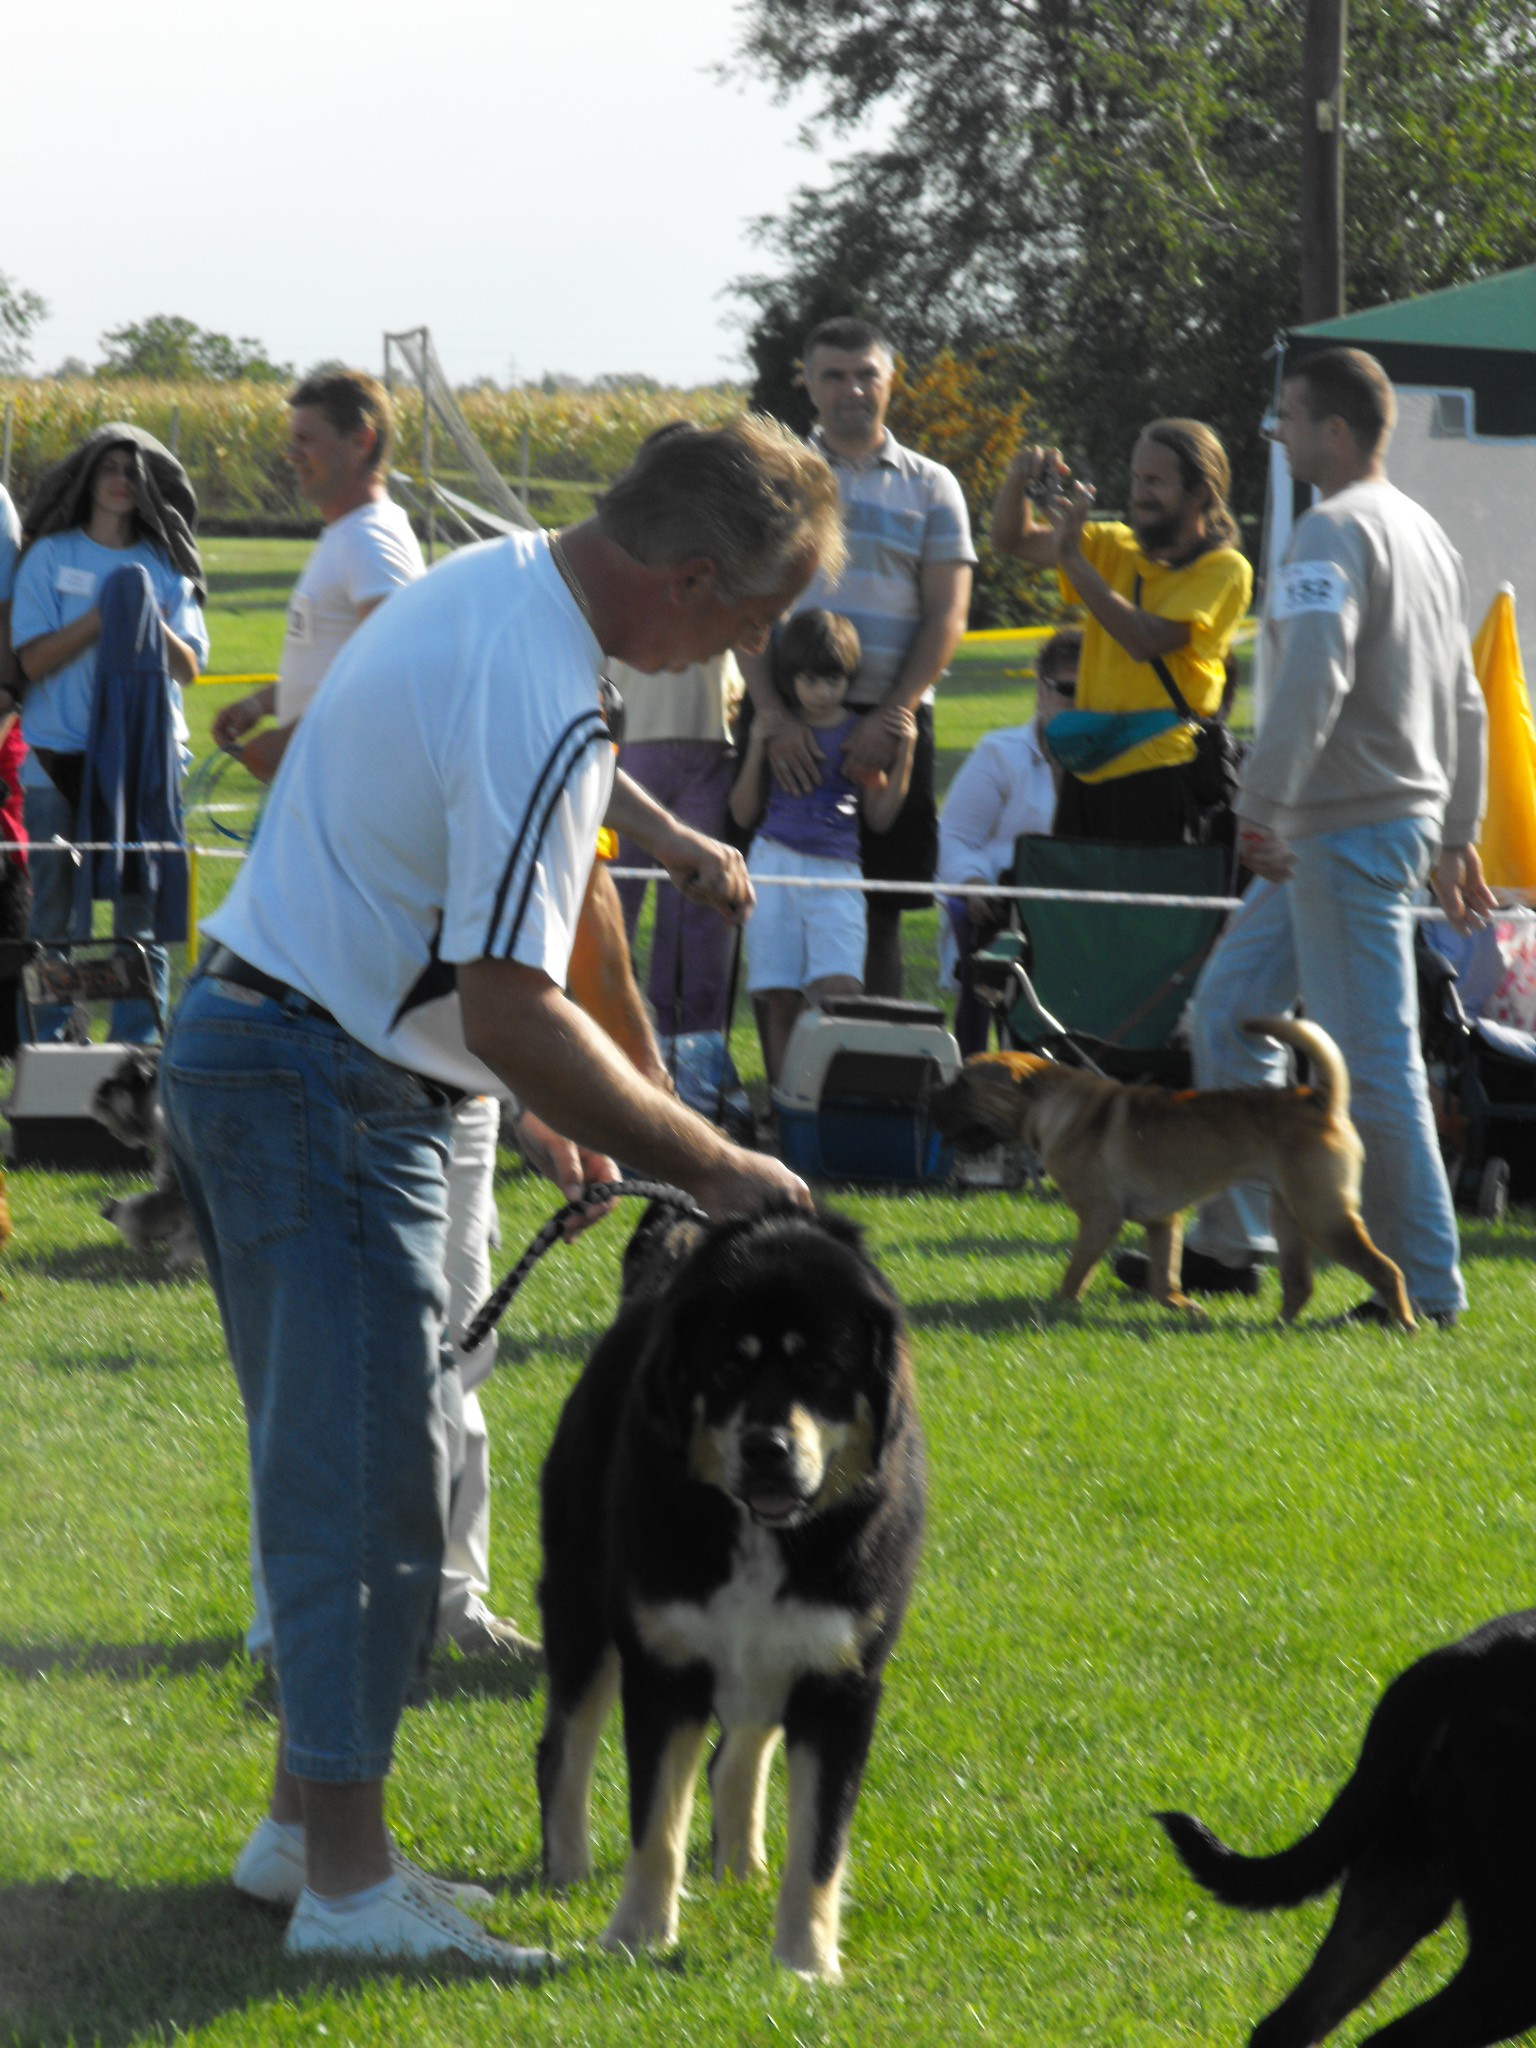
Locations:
756 1642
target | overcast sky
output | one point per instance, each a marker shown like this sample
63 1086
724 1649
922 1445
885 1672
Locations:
546 184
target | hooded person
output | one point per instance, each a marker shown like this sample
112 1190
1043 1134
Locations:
120 501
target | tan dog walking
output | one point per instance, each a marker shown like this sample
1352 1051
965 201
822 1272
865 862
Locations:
1143 1155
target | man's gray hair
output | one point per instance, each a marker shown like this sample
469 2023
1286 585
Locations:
750 497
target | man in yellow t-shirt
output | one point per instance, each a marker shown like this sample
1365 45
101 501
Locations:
1170 586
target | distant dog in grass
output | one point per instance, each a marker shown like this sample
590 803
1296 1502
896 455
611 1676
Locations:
1143 1155
128 1104
731 1512
1441 1810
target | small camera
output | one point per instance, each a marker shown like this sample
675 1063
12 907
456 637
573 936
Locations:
1047 487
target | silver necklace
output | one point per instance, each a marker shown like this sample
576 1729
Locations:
610 702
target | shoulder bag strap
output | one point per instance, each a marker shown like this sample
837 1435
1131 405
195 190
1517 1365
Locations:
1164 674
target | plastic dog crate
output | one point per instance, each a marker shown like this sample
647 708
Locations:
852 1100
49 1109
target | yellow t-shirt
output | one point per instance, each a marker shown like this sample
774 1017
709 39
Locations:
1211 593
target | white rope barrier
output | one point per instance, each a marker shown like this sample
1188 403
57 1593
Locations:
994 891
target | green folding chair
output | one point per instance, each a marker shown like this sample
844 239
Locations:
1105 980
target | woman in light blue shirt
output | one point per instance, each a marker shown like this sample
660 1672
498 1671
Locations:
118 496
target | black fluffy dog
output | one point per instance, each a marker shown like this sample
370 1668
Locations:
732 1511
1441 1809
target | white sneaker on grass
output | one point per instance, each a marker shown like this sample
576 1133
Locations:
397 1918
271 1868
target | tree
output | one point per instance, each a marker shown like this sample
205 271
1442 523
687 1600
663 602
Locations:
1107 189
175 350
21 312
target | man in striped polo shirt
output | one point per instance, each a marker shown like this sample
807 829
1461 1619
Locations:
906 587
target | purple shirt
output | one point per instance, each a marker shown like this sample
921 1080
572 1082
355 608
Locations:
825 821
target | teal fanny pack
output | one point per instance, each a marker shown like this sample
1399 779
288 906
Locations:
1084 740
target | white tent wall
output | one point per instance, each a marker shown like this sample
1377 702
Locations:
1483 492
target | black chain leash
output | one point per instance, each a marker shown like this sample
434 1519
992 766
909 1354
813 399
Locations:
491 1311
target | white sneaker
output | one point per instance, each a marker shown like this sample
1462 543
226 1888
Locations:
479 1633
403 1920
271 1868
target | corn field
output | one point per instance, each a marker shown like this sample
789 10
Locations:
232 437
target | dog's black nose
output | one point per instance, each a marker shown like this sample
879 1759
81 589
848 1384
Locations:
766 1449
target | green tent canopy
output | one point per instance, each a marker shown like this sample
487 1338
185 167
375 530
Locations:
1480 337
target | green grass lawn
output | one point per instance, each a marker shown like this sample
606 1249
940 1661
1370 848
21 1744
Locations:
248 586
1163 1566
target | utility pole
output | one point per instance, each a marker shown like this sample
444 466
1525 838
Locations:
1322 161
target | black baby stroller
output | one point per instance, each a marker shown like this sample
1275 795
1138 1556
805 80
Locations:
1481 1059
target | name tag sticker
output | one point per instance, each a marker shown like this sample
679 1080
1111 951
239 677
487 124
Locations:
75 583
1309 587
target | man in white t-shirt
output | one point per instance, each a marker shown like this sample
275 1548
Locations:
340 434
402 930
340 426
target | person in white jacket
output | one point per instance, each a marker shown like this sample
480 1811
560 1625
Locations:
1006 786
1366 779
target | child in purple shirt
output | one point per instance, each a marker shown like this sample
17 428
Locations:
803 944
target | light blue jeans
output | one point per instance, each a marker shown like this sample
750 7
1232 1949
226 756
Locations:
1339 935
316 1174
50 815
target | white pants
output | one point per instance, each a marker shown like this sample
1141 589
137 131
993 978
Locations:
467 1268
466 1576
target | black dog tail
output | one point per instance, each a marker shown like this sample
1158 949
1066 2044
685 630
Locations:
1400 1731
1256 1882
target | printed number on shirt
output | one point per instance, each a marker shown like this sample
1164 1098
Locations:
1309 587
298 620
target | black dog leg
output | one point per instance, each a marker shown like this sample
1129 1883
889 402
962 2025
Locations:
1391 1898
827 1731
665 1723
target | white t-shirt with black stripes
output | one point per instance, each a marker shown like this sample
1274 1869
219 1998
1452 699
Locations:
440 802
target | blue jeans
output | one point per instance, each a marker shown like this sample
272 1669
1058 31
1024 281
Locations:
51 815
316 1174
1339 935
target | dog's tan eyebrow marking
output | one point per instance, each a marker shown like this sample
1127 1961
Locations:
792 1343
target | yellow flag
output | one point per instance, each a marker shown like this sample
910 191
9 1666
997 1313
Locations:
1508 845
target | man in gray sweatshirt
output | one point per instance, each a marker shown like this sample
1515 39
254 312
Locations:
1367 779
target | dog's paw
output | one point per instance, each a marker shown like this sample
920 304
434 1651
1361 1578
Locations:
803 1960
563 1870
632 1934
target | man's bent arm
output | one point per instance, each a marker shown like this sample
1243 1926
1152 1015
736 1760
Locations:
1017 528
1144 635
945 592
706 870
572 1075
1469 785
945 589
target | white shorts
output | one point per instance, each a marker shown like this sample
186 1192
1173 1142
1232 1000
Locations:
797 936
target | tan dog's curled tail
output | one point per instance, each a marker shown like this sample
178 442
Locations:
1330 1076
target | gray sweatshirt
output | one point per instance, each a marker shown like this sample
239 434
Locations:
1375 712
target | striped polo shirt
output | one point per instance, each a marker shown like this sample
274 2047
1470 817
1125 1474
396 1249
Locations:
900 511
